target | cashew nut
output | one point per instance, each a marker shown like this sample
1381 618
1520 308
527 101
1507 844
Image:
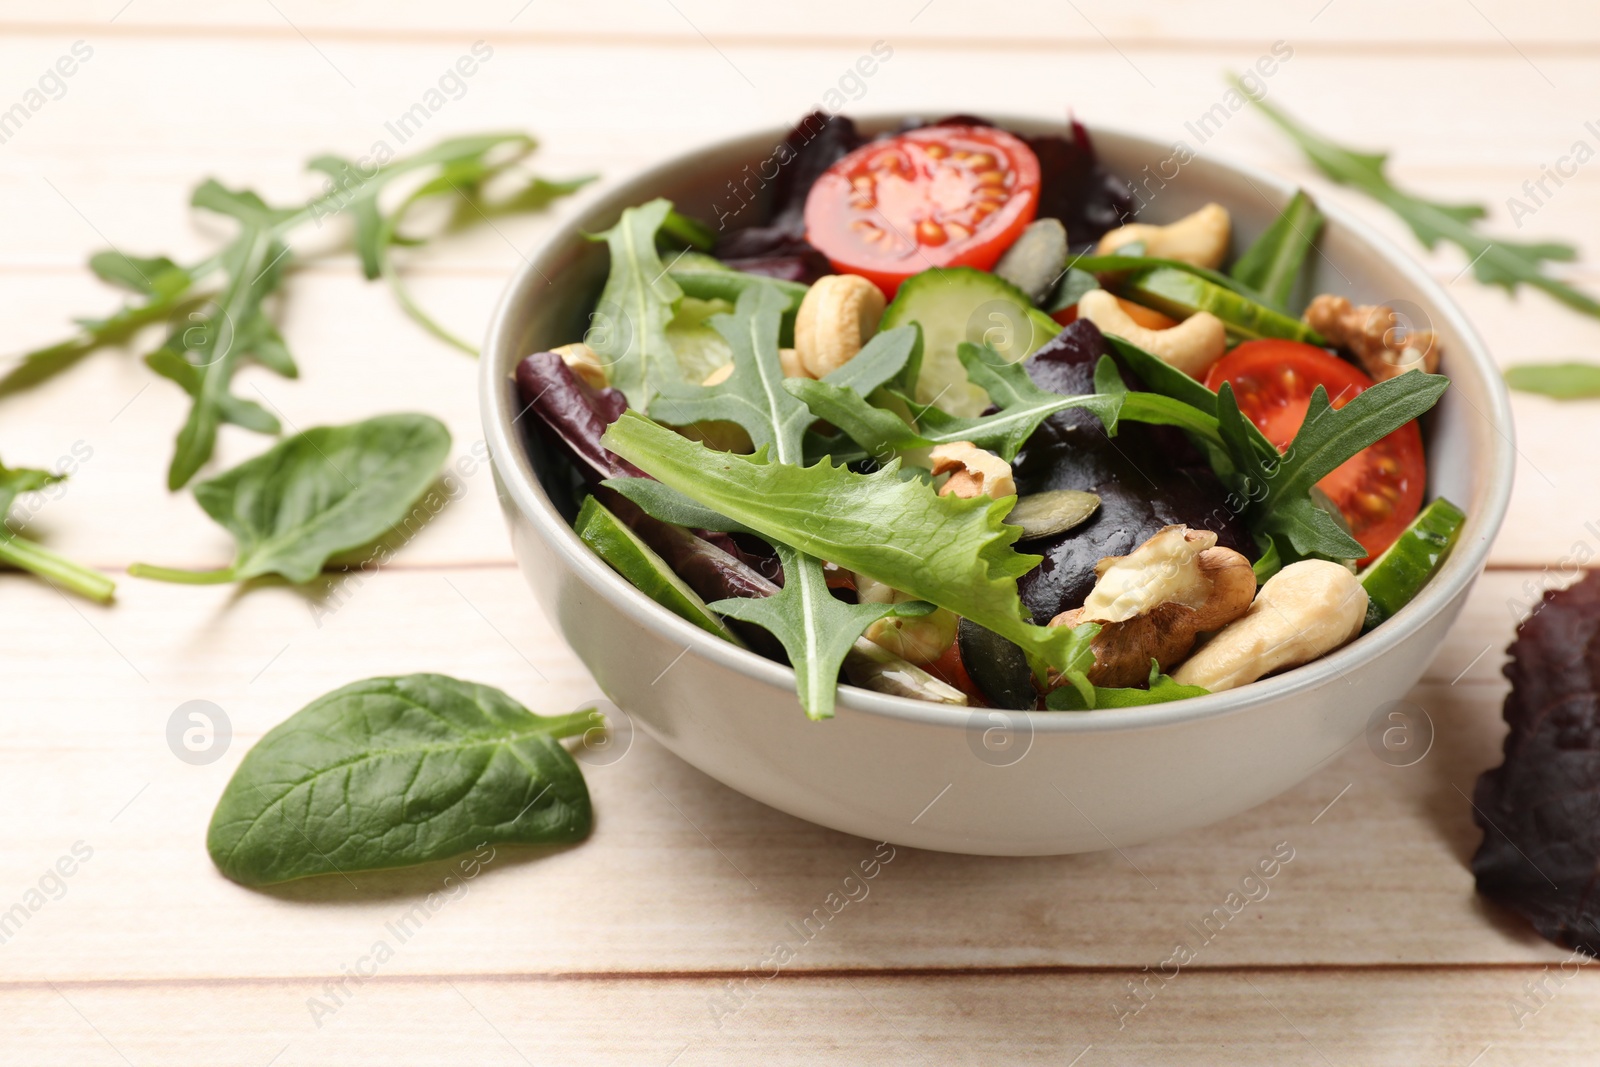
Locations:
1373 333
792 366
1191 346
786 359
839 314
922 639
1306 610
1200 238
585 363
1154 602
973 471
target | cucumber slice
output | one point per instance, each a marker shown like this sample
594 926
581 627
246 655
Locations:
956 304
1181 294
1394 578
634 560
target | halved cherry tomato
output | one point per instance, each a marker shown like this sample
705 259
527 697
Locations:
939 196
949 669
1379 489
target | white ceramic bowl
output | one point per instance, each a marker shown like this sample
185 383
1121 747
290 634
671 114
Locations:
978 781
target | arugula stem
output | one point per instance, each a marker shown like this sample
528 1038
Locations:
180 576
58 570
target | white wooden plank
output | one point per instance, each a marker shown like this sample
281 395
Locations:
1164 23
1205 1018
681 873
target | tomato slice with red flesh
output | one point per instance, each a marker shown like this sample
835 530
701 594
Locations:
939 196
1379 489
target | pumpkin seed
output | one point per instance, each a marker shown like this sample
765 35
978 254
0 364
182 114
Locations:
1052 512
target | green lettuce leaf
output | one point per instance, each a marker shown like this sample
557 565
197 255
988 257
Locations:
816 628
629 326
950 551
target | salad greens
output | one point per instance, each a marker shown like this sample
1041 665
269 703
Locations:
20 552
1494 260
213 329
1272 264
629 325
816 629
1023 406
953 552
389 772
316 494
1280 488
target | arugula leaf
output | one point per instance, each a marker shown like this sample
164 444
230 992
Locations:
1070 289
816 628
389 772
630 322
1281 488
1494 260
211 329
213 347
947 550
753 396
1563 381
316 494
1162 689
1272 264
1023 406
24 554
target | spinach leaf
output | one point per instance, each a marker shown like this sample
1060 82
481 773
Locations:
947 550
816 629
28 555
388 772
1494 260
1272 264
629 326
1563 381
318 493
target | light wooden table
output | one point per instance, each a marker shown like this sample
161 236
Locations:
1371 947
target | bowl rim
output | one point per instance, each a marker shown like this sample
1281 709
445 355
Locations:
513 465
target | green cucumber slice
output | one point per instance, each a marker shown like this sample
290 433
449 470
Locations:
1181 294
630 557
1395 577
956 304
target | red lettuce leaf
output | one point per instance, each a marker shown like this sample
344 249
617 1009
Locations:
1540 809
1147 477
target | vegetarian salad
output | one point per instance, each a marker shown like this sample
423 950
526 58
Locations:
950 423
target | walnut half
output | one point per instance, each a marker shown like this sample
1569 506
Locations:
1372 332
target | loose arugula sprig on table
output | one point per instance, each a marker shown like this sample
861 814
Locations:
1494 260
215 328
18 551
